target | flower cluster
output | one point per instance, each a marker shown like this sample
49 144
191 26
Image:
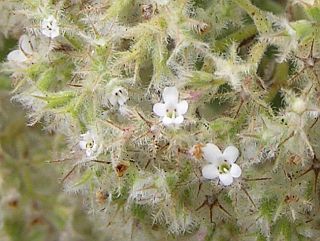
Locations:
133 85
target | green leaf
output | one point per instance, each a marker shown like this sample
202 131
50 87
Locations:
303 28
259 17
268 207
314 13
87 176
56 100
14 227
283 228
45 80
139 211
4 82
261 237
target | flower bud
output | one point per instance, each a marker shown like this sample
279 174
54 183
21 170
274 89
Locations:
299 106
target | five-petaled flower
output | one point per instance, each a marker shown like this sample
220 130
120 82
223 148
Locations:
171 111
49 27
119 96
26 49
221 165
90 143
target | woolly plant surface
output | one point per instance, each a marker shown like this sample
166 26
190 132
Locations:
175 119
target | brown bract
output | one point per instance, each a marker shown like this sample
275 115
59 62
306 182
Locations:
196 151
101 197
121 168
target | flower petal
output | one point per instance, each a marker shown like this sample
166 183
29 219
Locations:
27 44
235 170
170 95
51 19
122 99
46 32
167 121
55 32
231 154
159 109
226 179
113 100
82 144
123 109
212 153
178 120
16 56
210 171
89 152
182 107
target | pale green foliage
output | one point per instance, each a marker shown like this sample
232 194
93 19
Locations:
250 74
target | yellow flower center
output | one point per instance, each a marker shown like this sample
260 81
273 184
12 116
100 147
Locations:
90 144
171 113
224 168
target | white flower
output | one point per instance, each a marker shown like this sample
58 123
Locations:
90 143
119 96
171 111
26 48
221 165
49 27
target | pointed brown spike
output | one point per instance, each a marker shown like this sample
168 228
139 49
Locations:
211 210
202 205
257 179
146 166
75 85
311 50
286 139
69 173
104 162
305 172
149 123
58 161
246 192
223 209
239 108
316 175
199 188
